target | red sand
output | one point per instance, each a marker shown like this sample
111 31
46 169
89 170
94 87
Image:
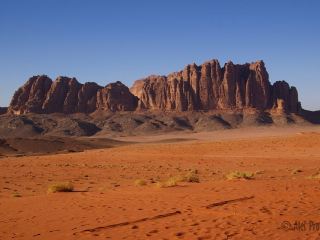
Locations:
106 195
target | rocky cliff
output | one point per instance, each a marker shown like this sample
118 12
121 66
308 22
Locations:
210 87
31 96
116 97
66 95
205 87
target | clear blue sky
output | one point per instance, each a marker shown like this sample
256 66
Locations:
106 41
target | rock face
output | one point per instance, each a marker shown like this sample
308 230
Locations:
66 95
205 87
210 87
30 97
289 95
116 97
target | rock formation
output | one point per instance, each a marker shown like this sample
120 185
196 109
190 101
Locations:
66 95
289 95
116 97
88 97
211 87
205 87
30 97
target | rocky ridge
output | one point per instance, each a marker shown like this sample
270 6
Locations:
196 88
66 95
212 87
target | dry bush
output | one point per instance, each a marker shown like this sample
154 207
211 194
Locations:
240 175
60 187
314 176
140 182
171 182
191 177
16 195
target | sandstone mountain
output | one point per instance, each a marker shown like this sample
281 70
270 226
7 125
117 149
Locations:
205 87
116 97
66 95
211 87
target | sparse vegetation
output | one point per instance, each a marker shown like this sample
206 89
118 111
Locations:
16 195
240 175
140 182
314 176
191 177
60 187
259 172
171 182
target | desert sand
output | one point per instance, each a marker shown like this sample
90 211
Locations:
279 201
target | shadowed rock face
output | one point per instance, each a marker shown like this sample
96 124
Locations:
289 95
210 87
88 97
3 110
205 87
62 96
67 95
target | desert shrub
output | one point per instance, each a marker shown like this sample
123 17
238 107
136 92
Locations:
240 175
191 177
171 182
140 182
314 176
60 187
16 195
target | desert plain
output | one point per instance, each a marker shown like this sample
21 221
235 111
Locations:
247 183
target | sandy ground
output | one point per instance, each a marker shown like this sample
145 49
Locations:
283 196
